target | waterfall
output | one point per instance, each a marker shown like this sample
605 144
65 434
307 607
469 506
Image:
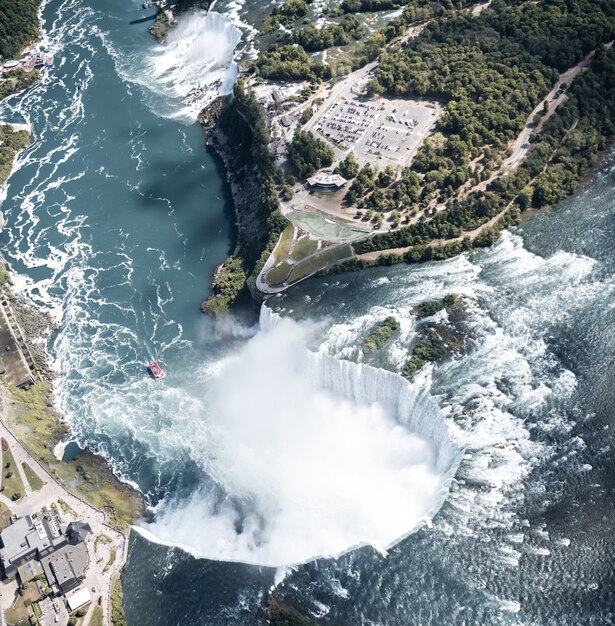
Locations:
309 456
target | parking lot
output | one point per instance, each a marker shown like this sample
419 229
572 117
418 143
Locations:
382 129
345 123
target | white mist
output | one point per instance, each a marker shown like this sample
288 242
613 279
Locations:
315 456
196 63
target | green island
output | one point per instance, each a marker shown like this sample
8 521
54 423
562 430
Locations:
416 140
435 340
433 343
431 307
380 334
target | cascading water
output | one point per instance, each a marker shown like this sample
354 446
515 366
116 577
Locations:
312 456
184 74
115 221
197 62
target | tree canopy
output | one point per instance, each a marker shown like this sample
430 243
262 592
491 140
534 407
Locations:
18 26
308 154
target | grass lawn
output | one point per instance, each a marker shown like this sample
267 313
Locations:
320 261
101 539
303 247
5 516
12 487
39 429
79 615
19 611
111 560
67 509
97 617
278 274
33 478
117 603
280 252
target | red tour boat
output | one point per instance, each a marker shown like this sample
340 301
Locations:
156 370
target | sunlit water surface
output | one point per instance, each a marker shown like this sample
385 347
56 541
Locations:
253 450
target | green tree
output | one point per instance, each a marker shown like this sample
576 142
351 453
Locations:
308 154
348 168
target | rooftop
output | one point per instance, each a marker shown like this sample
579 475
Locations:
78 599
67 565
22 538
324 179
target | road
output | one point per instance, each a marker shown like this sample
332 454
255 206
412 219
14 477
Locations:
520 146
97 581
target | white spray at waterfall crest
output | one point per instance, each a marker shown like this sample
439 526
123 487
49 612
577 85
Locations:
313 456
196 64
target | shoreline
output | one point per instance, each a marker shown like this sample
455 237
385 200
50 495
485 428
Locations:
233 275
40 324
34 418
88 477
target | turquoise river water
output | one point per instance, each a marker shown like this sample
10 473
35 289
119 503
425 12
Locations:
276 453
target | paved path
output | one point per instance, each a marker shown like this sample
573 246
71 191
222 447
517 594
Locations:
97 581
520 147
14 353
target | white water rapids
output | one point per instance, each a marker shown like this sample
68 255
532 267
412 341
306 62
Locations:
183 75
315 456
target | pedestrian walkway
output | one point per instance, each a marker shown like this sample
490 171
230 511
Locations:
16 361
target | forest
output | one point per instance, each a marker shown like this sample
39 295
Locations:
314 39
559 157
290 62
307 154
491 71
18 26
363 6
18 81
242 121
11 142
282 61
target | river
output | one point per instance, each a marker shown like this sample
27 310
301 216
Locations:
481 493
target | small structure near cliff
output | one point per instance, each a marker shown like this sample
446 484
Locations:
324 181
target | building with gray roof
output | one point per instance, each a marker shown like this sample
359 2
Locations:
22 541
66 566
64 558
78 532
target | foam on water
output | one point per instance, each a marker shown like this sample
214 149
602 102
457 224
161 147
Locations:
194 66
197 62
374 435
506 374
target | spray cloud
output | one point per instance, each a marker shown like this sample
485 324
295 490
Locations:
313 456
